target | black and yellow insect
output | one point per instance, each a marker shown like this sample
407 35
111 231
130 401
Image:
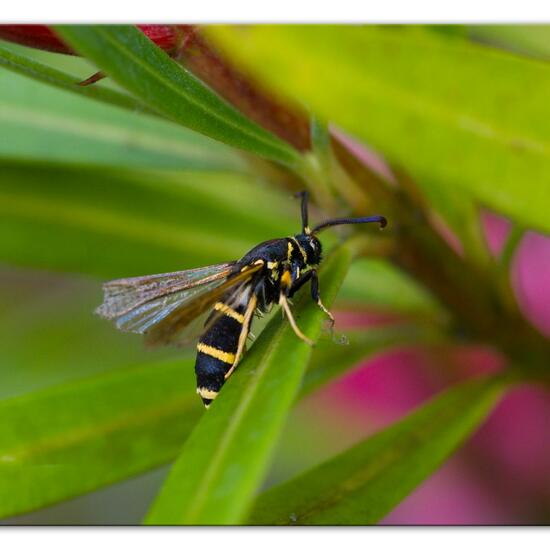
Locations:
168 307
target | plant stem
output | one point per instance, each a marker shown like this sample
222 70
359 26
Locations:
509 250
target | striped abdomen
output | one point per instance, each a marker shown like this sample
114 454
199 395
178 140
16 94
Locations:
218 346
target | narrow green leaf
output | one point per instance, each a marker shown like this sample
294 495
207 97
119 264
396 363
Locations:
74 438
331 358
320 141
41 123
47 326
531 40
377 284
128 56
363 484
26 66
460 212
450 112
124 224
510 248
224 460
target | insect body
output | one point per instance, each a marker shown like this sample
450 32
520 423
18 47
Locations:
168 307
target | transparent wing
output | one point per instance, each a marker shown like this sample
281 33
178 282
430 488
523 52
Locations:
186 321
138 303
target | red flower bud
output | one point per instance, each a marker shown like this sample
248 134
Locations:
42 37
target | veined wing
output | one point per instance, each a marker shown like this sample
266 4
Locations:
138 303
177 326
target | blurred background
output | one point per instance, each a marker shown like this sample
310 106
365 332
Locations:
49 334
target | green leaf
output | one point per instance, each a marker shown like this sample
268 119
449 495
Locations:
375 283
331 359
41 123
513 240
72 439
132 60
531 40
124 224
459 212
48 326
26 66
361 485
225 458
450 112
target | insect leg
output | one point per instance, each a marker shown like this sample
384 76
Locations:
250 308
311 275
299 283
283 301
315 294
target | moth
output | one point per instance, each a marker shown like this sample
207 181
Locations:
169 308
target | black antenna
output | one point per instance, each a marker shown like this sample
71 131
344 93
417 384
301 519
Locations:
305 197
343 221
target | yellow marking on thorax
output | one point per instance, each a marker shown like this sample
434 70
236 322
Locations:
257 262
302 251
206 393
223 356
289 250
273 267
229 311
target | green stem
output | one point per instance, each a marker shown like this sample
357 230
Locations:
509 250
475 244
312 172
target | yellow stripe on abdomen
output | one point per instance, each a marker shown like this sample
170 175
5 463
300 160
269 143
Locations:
223 356
229 311
206 393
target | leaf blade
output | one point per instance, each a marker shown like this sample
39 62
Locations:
41 123
215 477
71 439
468 128
361 485
377 284
31 68
173 222
128 56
